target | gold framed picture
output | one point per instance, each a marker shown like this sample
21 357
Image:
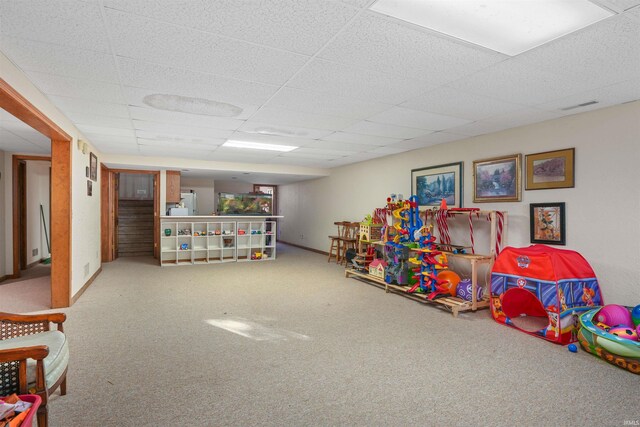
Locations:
551 169
497 179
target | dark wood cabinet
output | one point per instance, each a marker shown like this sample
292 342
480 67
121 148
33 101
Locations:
173 186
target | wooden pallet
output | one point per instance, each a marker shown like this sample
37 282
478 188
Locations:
453 304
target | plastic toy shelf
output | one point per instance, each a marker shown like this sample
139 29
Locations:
453 304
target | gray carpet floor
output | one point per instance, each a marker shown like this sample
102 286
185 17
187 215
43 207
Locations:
292 342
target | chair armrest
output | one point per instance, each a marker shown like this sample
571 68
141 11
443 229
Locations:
13 369
16 325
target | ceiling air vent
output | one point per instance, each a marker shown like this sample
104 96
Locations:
584 104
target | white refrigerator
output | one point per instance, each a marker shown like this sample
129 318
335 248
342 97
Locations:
190 202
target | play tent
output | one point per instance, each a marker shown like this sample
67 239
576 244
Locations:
542 290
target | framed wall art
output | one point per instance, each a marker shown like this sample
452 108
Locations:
434 183
93 167
547 223
497 179
551 169
89 188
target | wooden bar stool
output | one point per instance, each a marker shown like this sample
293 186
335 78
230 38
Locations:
349 239
335 247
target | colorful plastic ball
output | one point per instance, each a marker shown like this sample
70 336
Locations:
464 290
573 348
635 315
622 331
614 314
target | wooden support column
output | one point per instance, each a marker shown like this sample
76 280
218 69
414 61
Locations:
60 223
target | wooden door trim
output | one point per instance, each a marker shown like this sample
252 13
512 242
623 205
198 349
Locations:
17 158
106 201
18 106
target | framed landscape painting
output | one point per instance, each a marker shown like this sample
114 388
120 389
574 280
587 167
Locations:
551 169
497 179
547 224
434 183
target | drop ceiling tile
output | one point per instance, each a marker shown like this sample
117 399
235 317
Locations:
356 158
599 55
107 131
357 3
281 117
309 163
357 83
320 151
300 26
266 129
417 119
309 155
112 148
389 150
60 60
63 22
338 146
506 121
179 139
619 5
69 105
88 118
615 94
324 103
456 103
148 151
428 140
76 88
226 154
358 138
182 130
198 51
173 117
518 83
12 143
155 143
176 81
376 42
385 130
99 139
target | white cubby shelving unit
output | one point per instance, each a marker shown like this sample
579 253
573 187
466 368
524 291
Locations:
216 239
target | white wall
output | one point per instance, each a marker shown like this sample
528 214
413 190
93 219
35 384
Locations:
85 223
37 194
602 209
3 215
205 193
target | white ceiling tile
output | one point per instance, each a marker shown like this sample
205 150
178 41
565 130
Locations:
351 82
619 5
338 146
300 26
69 105
77 88
428 140
281 117
457 103
389 150
89 129
261 128
324 103
385 130
506 121
60 60
154 115
185 130
228 154
112 148
146 150
618 93
599 55
20 129
319 151
198 51
88 118
101 139
310 163
310 155
417 119
358 138
170 144
12 143
356 158
357 3
376 42
518 83
63 22
176 81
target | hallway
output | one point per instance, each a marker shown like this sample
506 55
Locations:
31 292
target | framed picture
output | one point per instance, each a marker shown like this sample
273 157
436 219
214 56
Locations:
497 179
434 183
551 169
93 167
547 223
89 188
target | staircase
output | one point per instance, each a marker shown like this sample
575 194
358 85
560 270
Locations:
135 228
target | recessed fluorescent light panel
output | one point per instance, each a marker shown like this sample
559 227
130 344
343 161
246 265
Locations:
258 145
507 26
